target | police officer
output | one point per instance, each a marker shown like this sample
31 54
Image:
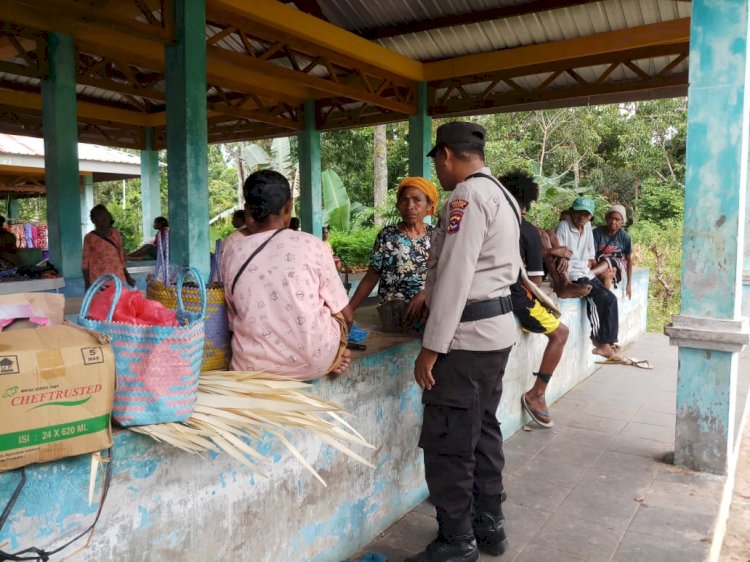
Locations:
469 333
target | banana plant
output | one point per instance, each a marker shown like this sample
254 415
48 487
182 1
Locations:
336 203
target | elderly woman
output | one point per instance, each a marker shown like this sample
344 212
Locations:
287 308
102 249
613 250
398 262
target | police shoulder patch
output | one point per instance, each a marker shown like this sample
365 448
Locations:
456 209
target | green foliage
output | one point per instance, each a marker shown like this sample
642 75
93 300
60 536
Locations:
354 247
349 154
32 209
660 200
336 204
658 246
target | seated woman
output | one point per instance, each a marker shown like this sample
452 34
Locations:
102 249
148 251
287 308
398 262
613 250
8 243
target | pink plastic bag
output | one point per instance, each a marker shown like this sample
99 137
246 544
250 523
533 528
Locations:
132 308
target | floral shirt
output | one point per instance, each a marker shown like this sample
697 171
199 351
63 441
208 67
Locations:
401 263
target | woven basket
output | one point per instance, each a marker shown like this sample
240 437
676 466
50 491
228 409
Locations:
157 367
217 351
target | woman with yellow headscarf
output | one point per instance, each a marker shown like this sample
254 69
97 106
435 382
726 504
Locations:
398 262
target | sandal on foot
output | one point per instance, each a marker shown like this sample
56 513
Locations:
542 418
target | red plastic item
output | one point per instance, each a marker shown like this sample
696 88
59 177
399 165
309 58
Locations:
132 308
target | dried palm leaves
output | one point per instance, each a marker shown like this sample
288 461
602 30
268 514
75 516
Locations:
233 406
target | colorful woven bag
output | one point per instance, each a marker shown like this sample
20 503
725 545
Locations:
157 367
217 351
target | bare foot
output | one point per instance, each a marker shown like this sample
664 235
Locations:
608 277
572 291
344 363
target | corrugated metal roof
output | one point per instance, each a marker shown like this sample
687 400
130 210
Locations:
543 27
31 146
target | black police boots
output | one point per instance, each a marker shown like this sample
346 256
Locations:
489 524
455 543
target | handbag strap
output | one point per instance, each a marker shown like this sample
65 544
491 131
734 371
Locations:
248 260
38 554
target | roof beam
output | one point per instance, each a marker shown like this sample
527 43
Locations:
273 71
613 92
149 53
478 16
288 21
86 110
528 57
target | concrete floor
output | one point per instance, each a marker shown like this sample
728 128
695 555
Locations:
600 485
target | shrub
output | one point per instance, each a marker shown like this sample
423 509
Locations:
659 247
354 247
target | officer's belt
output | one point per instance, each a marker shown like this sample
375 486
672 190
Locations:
479 310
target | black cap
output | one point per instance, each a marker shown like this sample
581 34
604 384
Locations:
458 134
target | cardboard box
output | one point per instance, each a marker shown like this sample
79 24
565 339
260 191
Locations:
16 308
56 392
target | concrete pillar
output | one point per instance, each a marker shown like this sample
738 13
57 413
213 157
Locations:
60 125
87 203
420 136
13 208
187 137
311 189
710 329
150 187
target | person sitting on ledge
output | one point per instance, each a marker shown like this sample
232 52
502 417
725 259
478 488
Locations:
601 304
398 261
148 250
286 305
613 250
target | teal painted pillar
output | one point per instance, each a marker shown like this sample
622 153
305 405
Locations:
311 185
710 329
150 194
87 203
60 125
420 136
13 208
187 137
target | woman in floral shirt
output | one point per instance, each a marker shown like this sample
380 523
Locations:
398 262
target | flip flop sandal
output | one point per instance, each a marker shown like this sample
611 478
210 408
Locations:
622 360
542 418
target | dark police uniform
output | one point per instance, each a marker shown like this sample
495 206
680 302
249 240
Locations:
474 261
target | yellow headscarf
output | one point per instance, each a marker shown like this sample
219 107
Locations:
422 184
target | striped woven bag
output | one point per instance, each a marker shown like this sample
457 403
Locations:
217 350
157 367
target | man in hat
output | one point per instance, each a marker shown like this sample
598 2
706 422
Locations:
601 304
467 339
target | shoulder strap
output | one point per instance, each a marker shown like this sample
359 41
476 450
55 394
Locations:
504 192
248 260
105 238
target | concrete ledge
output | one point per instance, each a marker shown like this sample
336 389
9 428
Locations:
167 505
715 334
